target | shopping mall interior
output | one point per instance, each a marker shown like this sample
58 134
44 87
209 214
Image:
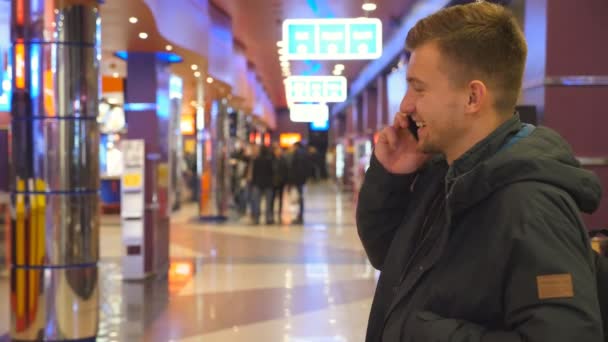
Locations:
127 130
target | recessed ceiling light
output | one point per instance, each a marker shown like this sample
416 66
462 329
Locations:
209 80
285 64
369 6
337 72
194 67
281 51
283 59
280 43
197 74
133 20
143 35
168 47
115 75
339 67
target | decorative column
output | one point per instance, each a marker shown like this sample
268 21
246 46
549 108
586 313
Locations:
55 171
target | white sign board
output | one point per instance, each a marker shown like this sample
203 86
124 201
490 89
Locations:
315 89
333 39
132 207
309 112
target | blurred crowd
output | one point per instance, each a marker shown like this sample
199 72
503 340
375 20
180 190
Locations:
263 174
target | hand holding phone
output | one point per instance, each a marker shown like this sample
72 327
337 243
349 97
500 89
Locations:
397 147
412 126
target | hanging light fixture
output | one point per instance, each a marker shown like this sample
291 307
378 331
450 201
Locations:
369 6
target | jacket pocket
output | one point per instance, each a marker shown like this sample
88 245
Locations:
426 326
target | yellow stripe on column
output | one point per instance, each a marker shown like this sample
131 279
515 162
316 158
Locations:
19 245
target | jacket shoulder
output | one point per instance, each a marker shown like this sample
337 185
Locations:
525 209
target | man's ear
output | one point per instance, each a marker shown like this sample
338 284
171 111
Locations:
478 94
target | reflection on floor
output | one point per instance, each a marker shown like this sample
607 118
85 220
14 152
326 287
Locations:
238 282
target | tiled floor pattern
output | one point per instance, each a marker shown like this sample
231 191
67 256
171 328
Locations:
239 282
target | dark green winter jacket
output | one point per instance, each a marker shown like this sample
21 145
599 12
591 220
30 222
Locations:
491 249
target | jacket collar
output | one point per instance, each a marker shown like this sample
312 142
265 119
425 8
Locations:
482 150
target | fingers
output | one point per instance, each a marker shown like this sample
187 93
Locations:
389 136
401 120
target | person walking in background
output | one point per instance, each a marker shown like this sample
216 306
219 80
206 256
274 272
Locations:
242 160
313 156
299 171
279 178
261 184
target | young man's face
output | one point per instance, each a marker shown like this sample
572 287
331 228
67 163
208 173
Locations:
433 100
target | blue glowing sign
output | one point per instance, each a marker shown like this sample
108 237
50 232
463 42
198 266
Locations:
319 125
315 89
5 80
140 107
324 39
168 57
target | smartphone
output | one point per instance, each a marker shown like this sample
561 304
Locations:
412 127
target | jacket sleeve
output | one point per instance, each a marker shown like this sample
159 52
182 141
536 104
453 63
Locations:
381 207
550 293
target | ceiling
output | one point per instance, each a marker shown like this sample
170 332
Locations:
258 24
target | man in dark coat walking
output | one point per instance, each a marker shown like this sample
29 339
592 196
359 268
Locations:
261 185
279 178
472 217
300 170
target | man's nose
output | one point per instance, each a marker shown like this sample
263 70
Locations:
407 104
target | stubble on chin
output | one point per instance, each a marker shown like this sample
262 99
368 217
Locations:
427 147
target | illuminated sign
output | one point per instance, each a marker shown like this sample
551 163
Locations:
187 124
319 125
315 89
309 112
267 139
288 139
176 87
5 80
20 65
359 38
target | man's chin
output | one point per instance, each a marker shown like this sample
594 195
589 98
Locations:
425 147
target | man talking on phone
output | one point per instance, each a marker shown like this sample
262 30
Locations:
472 217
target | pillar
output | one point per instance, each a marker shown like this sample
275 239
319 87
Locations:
55 174
382 103
148 114
567 79
370 106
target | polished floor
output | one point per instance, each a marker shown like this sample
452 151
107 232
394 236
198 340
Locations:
239 282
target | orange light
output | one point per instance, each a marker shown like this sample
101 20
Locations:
180 273
266 139
181 269
111 85
288 139
49 93
187 124
251 138
20 65
20 12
